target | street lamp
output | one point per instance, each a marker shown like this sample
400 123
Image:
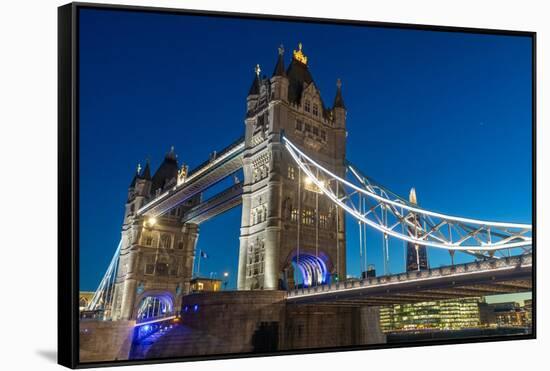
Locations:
151 221
225 277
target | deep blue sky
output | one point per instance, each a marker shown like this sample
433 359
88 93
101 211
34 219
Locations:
447 113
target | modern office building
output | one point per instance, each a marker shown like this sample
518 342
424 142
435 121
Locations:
434 315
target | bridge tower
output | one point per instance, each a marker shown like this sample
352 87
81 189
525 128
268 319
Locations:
156 254
287 224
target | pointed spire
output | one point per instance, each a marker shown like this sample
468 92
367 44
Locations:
280 66
255 87
172 154
412 196
338 100
147 171
136 176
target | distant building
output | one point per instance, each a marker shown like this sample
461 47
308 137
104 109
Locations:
84 298
371 272
417 256
511 314
528 307
200 284
487 315
506 314
434 315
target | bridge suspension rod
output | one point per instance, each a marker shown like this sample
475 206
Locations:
386 211
104 294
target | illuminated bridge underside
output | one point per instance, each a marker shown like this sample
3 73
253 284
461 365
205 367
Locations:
227 162
496 276
215 205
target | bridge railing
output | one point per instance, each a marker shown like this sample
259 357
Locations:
473 267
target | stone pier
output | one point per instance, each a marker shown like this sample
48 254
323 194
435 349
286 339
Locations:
262 321
105 340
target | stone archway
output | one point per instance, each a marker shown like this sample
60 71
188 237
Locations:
154 304
306 269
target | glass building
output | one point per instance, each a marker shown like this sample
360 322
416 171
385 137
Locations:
435 315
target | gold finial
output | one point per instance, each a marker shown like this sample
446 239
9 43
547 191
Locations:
258 70
299 55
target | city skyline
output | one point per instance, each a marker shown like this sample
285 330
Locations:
140 114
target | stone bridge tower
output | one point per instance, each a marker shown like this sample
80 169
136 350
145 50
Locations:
281 230
156 255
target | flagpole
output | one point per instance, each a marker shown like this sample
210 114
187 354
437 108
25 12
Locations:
199 265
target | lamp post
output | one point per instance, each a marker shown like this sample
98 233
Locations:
225 280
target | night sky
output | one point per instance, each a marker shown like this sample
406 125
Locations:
447 113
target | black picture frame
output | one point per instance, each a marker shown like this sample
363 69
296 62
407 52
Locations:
68 182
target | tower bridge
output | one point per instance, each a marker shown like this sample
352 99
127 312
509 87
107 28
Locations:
297 187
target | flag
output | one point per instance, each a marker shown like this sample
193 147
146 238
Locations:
203 255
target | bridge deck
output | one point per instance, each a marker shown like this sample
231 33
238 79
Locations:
498 276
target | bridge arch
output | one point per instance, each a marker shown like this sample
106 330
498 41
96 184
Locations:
154 304
307 269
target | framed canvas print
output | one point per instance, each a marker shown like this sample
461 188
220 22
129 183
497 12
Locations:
236 185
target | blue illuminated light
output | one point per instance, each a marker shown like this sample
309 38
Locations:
313 269
196 308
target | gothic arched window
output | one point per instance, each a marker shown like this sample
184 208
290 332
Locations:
165 241
307 106
148 239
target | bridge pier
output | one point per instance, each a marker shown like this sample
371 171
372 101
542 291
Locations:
105 340
322 326
128 299
369 324
262 321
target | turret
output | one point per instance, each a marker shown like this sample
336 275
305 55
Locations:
339 108
132 186
138 191
279 80
254 91
143 182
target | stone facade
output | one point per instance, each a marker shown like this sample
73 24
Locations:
157 254
274 212
105 340
244 322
